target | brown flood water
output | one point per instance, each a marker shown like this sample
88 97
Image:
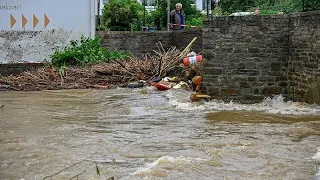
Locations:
145 134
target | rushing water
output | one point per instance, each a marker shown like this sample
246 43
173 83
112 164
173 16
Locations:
147 134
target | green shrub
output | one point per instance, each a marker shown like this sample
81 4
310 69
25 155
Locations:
217 11
83 52
196 21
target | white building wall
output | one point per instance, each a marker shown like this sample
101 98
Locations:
30 29
199 4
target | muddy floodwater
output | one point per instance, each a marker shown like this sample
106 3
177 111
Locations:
135 134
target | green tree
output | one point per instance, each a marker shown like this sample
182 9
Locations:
285 6
230 6
310 5
123 15
154 19
288 6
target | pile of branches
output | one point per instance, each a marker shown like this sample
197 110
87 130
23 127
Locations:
103 75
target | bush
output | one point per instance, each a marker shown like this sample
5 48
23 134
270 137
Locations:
217 11
83 52
196 21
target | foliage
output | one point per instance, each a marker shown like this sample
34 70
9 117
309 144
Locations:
161 15
310 5
154 19
269 6
217 11
285 6
230 6
117 55
101 27
85 51
268 12
196 21
123 15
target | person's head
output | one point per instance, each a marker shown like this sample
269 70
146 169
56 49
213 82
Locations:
257 11
178 6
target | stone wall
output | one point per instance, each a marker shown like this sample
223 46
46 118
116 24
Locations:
305 57
140 43
245 57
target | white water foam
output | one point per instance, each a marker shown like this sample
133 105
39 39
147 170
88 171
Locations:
316 157
162 160
275 105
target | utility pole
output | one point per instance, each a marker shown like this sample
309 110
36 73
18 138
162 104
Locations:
98 12
207 8
168 16
144 13
302 5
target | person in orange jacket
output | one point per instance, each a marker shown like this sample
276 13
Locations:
195 79
196 83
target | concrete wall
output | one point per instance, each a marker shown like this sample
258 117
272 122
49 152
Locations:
30 29
140 43
31 46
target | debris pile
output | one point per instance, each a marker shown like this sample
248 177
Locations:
166 69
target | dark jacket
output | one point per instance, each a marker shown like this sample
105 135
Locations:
175 19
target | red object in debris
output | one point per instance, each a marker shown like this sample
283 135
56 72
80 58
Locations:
191 60
160 86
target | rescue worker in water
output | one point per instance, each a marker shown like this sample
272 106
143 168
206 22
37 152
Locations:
195 78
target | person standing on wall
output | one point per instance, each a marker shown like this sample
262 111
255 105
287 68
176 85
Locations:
177 18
